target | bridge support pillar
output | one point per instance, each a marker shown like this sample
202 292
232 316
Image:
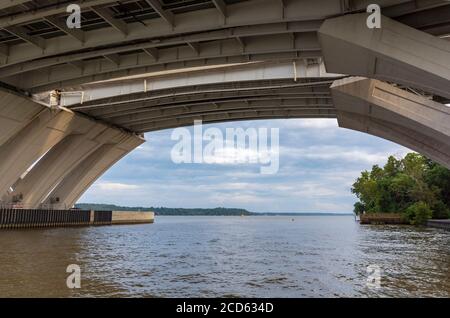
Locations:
395 53
59 161
392 113
70 189
15 113
30 143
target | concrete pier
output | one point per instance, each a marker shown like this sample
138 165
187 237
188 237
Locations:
129 217
36 218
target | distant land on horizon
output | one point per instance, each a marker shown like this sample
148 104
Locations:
220 211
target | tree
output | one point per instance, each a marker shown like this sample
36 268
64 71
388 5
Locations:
439 177
359 208
418 213
414 185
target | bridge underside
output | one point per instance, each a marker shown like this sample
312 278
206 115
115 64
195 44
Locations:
231 60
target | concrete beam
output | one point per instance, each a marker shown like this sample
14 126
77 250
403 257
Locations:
92 69
152 46
136 108
4 51
395 53
223 80
70 189
221 6
249 114
21 33
106 15
77 34
45 11
149 112
178 65
11 3
248 13
156 114
389 112
165 14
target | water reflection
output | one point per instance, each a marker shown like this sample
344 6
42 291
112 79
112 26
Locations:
227 256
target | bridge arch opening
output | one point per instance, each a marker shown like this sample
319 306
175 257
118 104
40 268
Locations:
318 163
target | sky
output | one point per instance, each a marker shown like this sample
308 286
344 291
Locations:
318 162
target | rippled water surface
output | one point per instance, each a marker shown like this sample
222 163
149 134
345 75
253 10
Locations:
227 256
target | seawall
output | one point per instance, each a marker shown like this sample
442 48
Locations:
382 218
440 224
36 218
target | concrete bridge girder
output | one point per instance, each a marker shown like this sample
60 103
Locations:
226 78
237 115
191 30
145 102
395 53
392 113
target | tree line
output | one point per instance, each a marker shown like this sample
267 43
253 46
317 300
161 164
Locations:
414 186
164 211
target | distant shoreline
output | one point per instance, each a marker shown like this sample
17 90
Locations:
267 214
163 211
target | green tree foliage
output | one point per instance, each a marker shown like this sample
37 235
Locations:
414 186
418 213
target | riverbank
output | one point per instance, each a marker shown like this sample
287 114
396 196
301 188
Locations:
398 219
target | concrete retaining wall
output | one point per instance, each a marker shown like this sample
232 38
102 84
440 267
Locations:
11 218
440 224
131 217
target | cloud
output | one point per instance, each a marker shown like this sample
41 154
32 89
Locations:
331 207
339 153
313 123
113 186
239 155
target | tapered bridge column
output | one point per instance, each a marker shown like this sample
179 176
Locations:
15 113
59 161
33 141
395 53
384 110
70 189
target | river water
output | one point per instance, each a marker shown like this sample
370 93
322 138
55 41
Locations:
325 256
